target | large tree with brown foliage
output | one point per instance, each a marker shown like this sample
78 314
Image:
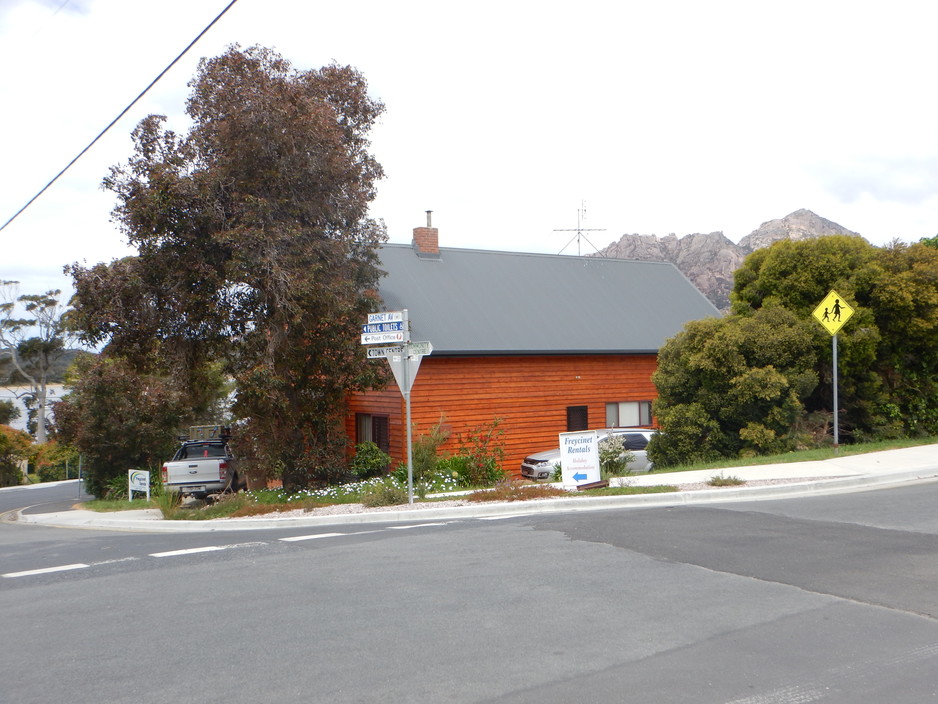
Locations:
254 248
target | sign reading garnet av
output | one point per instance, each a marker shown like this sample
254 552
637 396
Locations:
579 457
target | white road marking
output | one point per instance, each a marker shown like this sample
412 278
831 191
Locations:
212 548
115 561
209 548
47 570
295 538
190 551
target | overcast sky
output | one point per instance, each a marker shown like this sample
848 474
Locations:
503 117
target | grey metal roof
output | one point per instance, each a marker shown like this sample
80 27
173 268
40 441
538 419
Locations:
485 302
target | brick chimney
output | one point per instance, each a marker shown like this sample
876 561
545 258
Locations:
427 240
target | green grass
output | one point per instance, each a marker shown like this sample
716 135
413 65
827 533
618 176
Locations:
108 505
825 453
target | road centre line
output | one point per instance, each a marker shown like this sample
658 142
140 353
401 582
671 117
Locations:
208 548
47 570
211 548
295 538
189 551
315 536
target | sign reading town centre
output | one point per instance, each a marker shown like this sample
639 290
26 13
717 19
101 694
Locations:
579 457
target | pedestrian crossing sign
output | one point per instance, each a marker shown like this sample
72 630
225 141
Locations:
833 312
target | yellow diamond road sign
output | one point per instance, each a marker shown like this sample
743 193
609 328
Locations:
833 312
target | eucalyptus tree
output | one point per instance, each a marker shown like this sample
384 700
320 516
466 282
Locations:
33 338
255 249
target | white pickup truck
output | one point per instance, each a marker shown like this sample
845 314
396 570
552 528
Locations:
202 466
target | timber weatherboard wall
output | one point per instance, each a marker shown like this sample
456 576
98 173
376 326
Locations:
529 393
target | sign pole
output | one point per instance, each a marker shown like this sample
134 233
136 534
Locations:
832 313
836 402
410 446
393 328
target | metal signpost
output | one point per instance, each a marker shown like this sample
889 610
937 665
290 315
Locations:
404 357
832 313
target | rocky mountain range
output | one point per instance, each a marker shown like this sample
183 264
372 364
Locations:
709 260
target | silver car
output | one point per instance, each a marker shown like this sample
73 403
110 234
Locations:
541 465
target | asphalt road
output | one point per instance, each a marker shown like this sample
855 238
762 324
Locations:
821 599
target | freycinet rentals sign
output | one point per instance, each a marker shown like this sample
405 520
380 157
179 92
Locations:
579 457
138 480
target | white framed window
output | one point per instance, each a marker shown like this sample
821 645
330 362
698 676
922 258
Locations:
628 414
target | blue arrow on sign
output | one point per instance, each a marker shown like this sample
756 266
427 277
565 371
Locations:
579 477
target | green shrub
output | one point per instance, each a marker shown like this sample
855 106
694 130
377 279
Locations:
369 460
613 462
454 467
483 450
388 492
168 503
425 452
50 473
116 487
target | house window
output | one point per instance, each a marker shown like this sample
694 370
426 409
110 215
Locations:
628 414
373 428
577 418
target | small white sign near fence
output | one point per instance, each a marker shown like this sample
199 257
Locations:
138 480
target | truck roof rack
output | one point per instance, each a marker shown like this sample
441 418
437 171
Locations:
206 432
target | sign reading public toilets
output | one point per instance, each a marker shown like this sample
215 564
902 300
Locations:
579 457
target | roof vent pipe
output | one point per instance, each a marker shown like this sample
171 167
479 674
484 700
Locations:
429 212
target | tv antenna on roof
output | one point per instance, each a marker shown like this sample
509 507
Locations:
580 217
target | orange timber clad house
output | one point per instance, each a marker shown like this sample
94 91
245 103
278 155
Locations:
546 343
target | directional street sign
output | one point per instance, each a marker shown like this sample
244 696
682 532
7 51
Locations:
382 338
391 316
421 348
397 326
833 312
378 352
416 348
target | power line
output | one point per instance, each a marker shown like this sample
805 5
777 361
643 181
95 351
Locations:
123 112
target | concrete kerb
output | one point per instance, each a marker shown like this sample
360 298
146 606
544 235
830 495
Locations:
149 520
